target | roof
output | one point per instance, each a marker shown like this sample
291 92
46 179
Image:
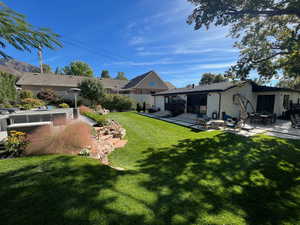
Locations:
258 88
216 87
112 83
135 81
169 85
37 79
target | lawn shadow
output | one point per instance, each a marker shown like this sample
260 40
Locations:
256 179
58 192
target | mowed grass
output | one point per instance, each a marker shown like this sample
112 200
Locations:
173 176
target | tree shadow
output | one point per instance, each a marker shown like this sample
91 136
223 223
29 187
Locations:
226 176
57 191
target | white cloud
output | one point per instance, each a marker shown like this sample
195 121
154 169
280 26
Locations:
137 40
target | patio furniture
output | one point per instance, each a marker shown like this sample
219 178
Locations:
216 124
295 119
262 118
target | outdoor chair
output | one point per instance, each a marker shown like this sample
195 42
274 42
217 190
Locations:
295 119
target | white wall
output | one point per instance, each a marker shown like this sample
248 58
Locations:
141 98
279 96
232 109
160 102
212 103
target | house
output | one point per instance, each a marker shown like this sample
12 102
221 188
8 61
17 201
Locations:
217 99
140 88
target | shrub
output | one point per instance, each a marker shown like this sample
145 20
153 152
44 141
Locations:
8 91
63 105
138 107
144 107
101 120
92 90
84 109
70 139
26 94
117 102
16 143
48 95
29 103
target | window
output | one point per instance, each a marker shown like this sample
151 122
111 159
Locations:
286 99
152 84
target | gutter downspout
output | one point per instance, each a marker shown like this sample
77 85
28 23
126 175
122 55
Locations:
220 100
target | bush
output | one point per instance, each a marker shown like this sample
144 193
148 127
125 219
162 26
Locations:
117 102
8 91
16 143
138 107
48 95
84 109
26 94
92 90
101 120
29 103
69 139
144 107
64 106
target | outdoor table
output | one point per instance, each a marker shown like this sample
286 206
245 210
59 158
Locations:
266 119
216 124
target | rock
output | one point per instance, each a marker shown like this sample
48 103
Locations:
108 138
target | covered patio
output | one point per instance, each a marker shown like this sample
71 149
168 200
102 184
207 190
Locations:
281 128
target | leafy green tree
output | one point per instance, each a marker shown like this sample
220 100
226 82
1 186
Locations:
8 91
210 78
46 69
289 83
16 31
105 74
92 90
268 33
121 76
78 68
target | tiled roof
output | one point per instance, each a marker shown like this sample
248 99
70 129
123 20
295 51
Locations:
135 81
170 85
258 88
37 79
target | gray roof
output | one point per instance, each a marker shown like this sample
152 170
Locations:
37 79
216 87
135 81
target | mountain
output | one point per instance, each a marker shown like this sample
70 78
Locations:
16 67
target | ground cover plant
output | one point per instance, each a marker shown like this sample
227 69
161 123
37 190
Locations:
172 176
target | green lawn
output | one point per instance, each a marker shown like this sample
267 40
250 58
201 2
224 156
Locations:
173 176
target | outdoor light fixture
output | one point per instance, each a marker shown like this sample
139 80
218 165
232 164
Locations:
75 92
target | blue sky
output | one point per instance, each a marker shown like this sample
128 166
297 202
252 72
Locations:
132 36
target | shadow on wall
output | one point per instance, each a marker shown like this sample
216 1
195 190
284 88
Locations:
194 181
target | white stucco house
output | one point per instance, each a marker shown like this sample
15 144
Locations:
217 99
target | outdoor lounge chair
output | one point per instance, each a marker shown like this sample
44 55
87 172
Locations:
295 119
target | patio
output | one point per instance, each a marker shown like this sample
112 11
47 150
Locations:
281 128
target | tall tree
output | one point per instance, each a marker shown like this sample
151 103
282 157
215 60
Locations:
92 90
105 74
47 68
289 83
121 76
17 32
210 78
78 68
268 33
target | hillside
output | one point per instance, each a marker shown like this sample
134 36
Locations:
16 67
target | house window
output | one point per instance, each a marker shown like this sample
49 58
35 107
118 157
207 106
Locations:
152 84
286 99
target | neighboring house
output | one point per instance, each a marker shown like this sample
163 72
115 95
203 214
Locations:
141 88
218 98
